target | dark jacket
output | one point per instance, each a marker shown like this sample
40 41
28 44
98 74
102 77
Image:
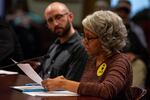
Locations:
9 46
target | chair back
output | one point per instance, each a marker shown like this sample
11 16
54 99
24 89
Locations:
138 93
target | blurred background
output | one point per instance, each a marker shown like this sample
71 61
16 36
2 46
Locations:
80 7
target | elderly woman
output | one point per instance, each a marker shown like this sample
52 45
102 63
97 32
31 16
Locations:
108 73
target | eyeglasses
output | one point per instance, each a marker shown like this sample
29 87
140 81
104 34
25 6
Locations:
57 17
88 39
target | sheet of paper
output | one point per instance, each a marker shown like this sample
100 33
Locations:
52 93
29 88
8 72
40 91
29 71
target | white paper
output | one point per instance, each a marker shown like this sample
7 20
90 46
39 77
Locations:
8 72
40 91
29 71
22 88
52 93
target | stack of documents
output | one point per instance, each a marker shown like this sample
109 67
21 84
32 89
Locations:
52 93
40 91
30 88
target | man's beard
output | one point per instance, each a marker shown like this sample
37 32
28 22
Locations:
65 31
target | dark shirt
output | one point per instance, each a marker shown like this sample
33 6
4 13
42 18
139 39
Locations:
9 47
114 83
67 59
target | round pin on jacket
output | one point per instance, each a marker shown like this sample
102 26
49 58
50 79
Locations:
101 69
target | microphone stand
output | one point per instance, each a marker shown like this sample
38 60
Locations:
25 61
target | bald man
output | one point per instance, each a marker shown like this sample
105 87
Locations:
67 54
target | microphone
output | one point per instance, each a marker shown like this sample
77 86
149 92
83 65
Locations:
26 60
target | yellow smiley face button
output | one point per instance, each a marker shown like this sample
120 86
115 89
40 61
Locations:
101 69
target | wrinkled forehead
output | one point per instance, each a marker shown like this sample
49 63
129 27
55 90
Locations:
54 10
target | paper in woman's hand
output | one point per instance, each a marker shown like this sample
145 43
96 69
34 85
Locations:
29 71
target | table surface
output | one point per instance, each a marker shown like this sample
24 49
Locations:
7 93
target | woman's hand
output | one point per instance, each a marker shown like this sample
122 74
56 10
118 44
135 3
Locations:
53 84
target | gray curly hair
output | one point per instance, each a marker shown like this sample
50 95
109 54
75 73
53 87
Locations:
109 28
